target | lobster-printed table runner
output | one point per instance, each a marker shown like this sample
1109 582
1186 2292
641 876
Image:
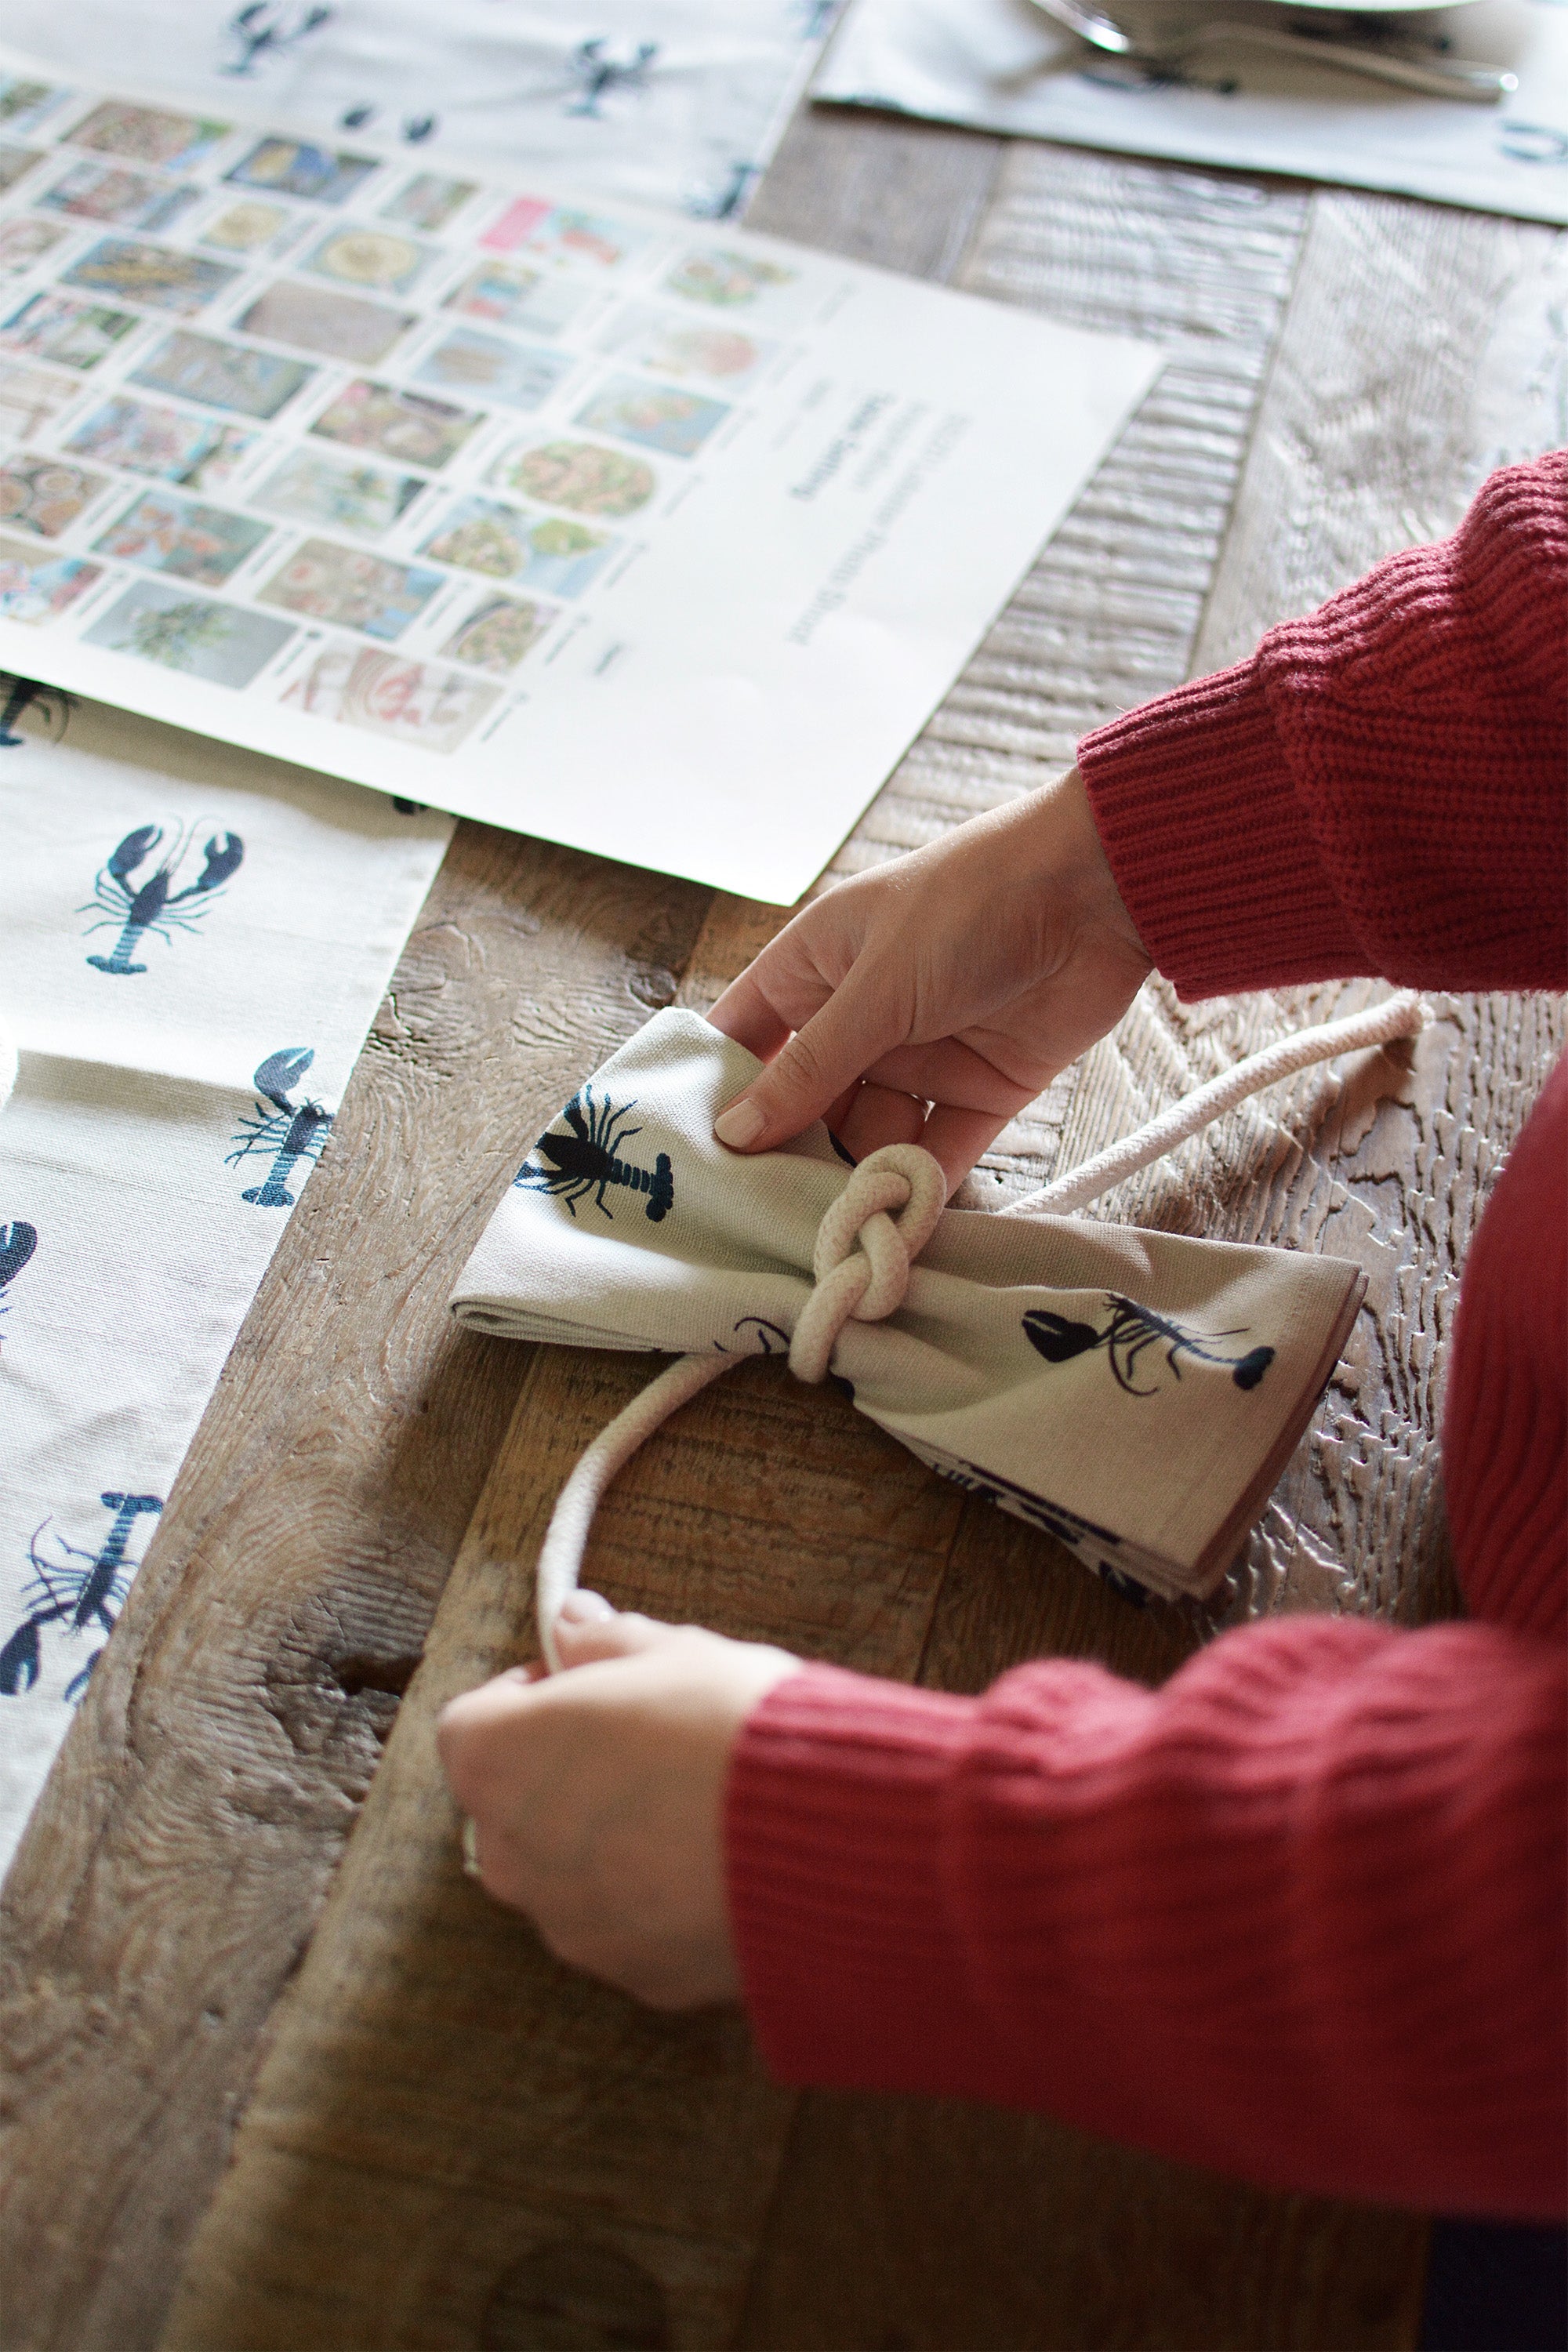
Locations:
674 102
194 942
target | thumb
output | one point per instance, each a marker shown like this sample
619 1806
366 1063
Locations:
807 1076
588 1630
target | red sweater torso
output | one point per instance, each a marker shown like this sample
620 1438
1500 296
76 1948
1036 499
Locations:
1300 1915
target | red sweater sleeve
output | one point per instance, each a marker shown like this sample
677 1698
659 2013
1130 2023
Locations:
1382 789
1301 1914
1298 1916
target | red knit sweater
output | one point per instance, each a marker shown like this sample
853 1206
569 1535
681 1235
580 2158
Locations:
1299 1914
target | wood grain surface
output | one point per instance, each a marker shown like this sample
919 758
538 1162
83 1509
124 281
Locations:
442 2139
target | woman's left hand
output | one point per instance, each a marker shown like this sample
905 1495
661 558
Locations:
598 1795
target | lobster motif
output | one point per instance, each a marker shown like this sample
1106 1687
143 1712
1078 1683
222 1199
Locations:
292 1131
1130 1330
18 1240
586 1160
596 73
151 905
60 1593
26 694
265 28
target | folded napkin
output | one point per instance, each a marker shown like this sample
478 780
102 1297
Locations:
1135 1394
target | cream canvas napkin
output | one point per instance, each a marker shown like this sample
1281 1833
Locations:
1135 1394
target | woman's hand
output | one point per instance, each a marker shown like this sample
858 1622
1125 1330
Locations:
598 1795
963 976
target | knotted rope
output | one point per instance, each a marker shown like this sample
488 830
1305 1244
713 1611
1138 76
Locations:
870 1237
861 1271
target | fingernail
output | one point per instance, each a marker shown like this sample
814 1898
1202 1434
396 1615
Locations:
585 1609
739 1125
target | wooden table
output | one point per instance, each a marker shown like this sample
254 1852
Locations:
278 2075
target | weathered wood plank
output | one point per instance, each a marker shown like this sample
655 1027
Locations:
915 2223
445 2107
174 1869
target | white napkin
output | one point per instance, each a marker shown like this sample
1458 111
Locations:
1135 1394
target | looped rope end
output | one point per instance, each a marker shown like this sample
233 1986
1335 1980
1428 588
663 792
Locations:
1400 1016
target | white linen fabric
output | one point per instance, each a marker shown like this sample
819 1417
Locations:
1000 65
1135 1394
194 942
674 102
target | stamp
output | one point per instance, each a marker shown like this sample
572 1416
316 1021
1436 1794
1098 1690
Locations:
144 438
370 257
339 326
223 375
414 702
38 585
724 280
16 163
582 476
671 343
159 276
227 645
515 375
31 398
25 103
497 633
429 202
292 167
546 552
246 228
394 423
150 134
24 241
563 233
511 294
112 193
44 494
308 487
66 331
164 532
352 588
630 408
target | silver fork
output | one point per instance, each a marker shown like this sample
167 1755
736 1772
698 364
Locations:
1459 77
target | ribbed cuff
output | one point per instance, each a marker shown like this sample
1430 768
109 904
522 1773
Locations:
1195 804
852 1973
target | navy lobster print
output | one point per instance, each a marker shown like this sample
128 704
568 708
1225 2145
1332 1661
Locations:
26 694
597 72
18 1240
290 1131
59 1592
266 28
155 905
586 1160
1130 1330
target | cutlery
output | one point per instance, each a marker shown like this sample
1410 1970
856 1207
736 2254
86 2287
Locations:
1458 77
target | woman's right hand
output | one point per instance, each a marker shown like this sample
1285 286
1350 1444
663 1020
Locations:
962 976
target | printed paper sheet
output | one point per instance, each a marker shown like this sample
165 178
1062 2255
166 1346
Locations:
658 543
1000 65
194 942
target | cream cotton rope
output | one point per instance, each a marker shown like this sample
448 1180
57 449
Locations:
861 1268
867 1242
1397 1016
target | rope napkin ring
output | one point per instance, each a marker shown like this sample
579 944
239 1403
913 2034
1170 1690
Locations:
1151 1466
